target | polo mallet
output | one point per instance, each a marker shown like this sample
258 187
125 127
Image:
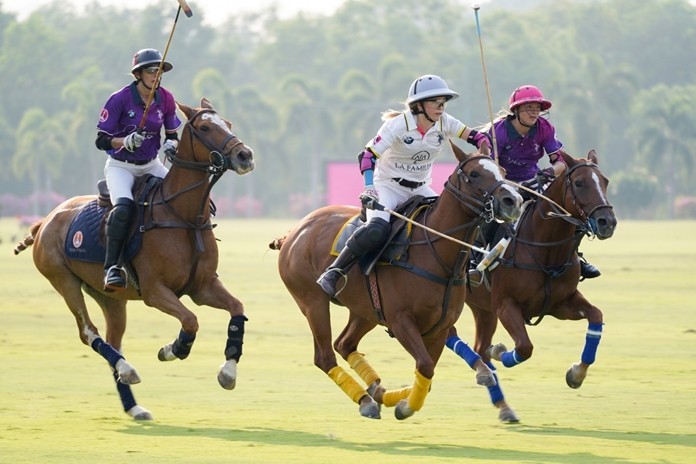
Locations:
477 7
187 11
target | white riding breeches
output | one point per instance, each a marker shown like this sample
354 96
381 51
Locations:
391 195
120 176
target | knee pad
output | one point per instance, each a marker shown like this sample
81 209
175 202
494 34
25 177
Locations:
368 237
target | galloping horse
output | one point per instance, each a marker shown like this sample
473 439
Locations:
417 298
538 275
178 255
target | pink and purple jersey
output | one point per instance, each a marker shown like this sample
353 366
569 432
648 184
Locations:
122 113
519 154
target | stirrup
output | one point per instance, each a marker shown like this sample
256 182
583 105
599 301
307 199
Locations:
113 279
328 282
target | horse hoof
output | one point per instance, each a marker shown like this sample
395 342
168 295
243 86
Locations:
508 416
496 351
370 410
227 377
140 414
126 374
574 376
487 379
402 411
376 391
166 354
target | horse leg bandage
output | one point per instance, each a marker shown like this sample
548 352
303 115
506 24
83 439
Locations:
594 335
347 383
421 387
390 398
360 365
463 350
511 358
495 392
235 338
106 351
181 347
125 393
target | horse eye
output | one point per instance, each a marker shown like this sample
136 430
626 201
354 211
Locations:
204 128
578 183
474 174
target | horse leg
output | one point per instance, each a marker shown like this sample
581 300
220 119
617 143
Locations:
406 332
576 308
484 375
216 295
115 316
347 346
510 316
486 323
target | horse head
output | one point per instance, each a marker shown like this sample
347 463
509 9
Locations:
585 194
207 141
479 183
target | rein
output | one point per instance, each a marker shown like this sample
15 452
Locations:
583 227
217 165
483 211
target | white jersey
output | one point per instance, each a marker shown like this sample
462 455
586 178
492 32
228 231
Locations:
404 153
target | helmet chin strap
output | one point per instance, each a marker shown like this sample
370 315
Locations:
517 115
421 110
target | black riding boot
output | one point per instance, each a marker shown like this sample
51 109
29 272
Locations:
341 265
367 238
117 227
587 270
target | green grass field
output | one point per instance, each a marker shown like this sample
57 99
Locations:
58 403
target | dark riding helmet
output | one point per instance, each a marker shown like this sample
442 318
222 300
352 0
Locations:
149 57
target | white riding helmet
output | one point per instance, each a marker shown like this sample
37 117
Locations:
429 86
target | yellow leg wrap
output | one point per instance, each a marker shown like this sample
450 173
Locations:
349 386
392 397
360 365
421 387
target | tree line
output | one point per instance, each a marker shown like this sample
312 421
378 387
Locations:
307 90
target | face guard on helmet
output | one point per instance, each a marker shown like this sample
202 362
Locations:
148 57
429 86
528 94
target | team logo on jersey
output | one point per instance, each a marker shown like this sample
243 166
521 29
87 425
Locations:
77 239
160 114
408 140
377 140
131 114
104 115
420 156
440 138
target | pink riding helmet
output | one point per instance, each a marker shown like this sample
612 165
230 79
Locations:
528 94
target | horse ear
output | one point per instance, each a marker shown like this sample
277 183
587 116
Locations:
458 152
592 156
188 111
206 104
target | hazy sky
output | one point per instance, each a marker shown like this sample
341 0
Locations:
215 10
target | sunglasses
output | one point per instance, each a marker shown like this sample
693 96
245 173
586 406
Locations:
151 70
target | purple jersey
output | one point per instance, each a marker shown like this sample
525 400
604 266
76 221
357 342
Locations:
519 154
122 113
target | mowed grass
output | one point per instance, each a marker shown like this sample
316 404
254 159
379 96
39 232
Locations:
58 403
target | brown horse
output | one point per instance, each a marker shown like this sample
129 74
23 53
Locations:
418 299
538 274
178 256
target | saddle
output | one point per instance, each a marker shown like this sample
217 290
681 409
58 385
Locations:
86 238
396 246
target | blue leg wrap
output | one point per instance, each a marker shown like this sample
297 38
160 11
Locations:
511 358
594 334
462 349
106 351
125 393
495 392
182 345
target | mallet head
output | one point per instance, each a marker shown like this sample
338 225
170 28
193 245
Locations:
186 8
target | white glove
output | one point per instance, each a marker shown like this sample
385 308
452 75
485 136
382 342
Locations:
369 197
133 141
169 146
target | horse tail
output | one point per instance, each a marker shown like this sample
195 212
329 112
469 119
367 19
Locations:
29 239
277 243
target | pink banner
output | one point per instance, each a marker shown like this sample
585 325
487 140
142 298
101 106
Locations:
344 182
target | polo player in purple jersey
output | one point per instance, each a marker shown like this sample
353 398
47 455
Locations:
133 152
523 136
